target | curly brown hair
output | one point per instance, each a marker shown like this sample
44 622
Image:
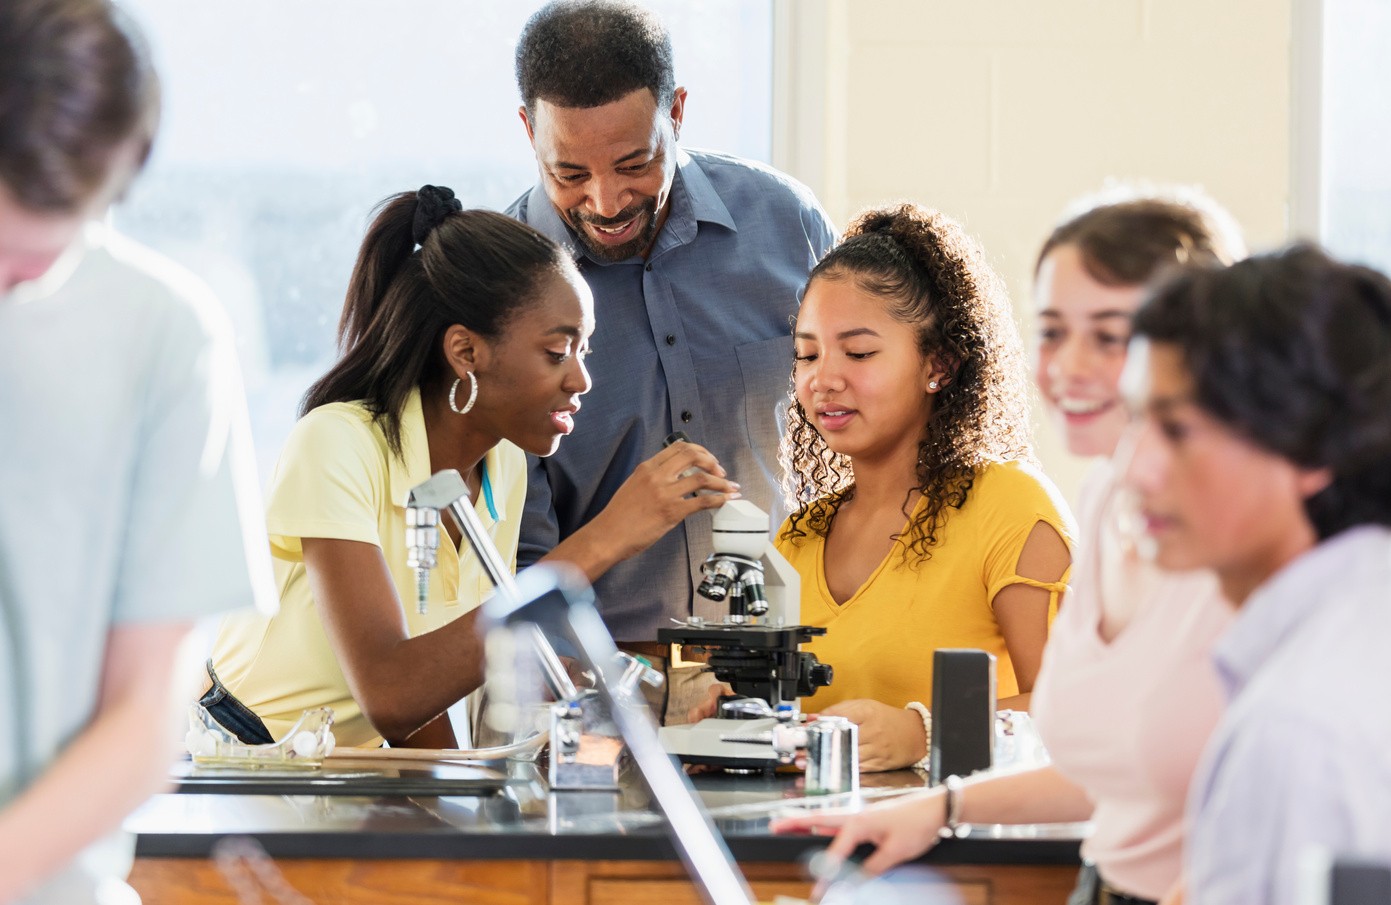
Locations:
934 278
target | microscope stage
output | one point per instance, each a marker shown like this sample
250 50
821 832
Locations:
735 635
703 743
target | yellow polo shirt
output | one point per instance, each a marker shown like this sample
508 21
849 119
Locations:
336 478
880 641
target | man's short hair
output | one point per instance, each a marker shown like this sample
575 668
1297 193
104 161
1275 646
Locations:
587 53
76 86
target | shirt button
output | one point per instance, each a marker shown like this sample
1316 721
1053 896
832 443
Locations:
671 339
685 416
649 268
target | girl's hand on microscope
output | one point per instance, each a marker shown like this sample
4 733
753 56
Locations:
579 675
890 738
899 830
657 497
661 492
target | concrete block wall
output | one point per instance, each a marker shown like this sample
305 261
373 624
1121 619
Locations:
999 112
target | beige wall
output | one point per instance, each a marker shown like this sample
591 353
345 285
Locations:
998 112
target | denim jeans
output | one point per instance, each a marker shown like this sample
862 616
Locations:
233 715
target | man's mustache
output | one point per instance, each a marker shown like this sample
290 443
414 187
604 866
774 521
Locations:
628 213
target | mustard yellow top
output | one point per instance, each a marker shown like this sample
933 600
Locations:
880 641
336 478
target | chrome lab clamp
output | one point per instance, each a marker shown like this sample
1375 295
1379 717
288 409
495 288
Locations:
586 746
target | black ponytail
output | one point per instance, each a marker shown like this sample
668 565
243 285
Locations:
475 268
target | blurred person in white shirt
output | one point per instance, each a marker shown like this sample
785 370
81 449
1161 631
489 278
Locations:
128 498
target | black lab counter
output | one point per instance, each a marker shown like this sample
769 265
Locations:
519 844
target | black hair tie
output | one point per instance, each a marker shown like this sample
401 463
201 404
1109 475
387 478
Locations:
433 204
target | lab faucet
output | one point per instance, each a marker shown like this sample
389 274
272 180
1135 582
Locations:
557 595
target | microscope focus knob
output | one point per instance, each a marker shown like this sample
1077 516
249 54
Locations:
820 675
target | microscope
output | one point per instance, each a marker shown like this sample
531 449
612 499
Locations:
756 649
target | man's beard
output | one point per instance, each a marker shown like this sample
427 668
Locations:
647 230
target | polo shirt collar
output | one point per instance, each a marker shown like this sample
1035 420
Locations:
693 201
1280 606
412 467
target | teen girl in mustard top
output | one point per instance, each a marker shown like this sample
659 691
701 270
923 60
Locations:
922 521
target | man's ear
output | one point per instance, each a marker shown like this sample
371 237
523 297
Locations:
526 121
678 111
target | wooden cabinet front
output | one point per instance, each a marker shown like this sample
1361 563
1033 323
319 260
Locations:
186 881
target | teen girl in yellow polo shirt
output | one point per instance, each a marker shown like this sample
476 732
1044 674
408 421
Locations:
923 522
463 339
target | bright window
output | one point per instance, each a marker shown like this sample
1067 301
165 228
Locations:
1356 111
285 121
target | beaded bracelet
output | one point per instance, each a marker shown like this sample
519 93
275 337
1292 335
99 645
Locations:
926 714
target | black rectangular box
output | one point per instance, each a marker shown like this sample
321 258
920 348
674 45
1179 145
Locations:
963 712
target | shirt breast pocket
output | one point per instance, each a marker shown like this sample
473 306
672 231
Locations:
766 368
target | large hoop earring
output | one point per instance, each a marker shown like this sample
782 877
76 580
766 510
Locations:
472 394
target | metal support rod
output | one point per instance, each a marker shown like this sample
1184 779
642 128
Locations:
562 597
700 845
552 670
703 849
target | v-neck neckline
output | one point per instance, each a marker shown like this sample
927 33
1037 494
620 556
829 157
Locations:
824 586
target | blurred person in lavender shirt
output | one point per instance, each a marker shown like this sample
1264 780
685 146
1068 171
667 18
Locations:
1264 454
